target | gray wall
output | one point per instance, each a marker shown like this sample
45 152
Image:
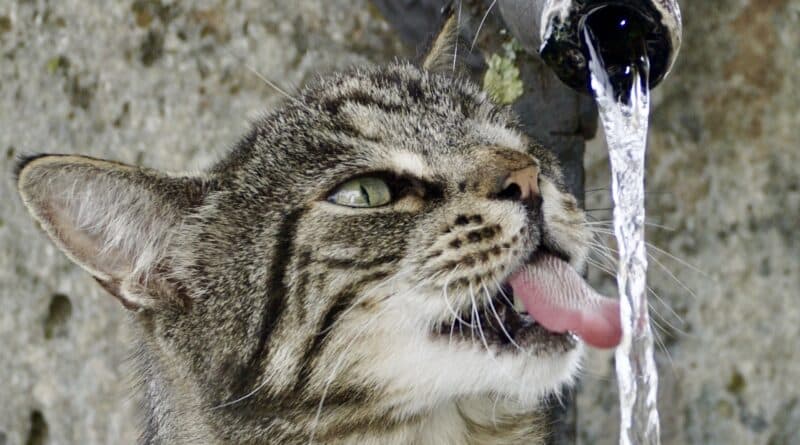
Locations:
724 173
166 84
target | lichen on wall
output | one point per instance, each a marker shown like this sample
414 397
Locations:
502 79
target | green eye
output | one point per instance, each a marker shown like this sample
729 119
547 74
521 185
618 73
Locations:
362 192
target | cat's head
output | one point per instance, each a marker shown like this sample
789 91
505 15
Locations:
358 250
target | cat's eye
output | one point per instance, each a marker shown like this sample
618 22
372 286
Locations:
363 192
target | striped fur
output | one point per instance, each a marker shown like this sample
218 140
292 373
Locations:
274 316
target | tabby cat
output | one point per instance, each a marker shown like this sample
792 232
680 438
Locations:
385 259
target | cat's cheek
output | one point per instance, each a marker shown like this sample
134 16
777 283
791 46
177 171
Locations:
409 204
565 224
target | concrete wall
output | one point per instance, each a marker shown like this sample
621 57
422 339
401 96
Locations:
723 176
151 82
166 84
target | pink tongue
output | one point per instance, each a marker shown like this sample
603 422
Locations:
560 300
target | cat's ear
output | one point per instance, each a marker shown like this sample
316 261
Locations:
443 50
112 219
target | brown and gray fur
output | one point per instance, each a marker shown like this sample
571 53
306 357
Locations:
266 314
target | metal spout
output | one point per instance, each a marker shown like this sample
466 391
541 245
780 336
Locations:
625 29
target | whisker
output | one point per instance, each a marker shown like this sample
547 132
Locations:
503 293
480 26
650 291
242 398
450 338
494 410
473 311
364 295
660 226
343 354
264 383
274 86
447 301
675 278
660 343
683 262
663 319
450 308
659 250
458 30
609 224
607 209
647 192
499 322
335 369
267 81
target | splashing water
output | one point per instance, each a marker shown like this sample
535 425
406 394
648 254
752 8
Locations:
623 98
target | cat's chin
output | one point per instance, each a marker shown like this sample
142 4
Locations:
465 369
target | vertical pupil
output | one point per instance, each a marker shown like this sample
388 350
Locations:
364 191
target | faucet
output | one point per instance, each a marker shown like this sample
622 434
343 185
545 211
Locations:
625 30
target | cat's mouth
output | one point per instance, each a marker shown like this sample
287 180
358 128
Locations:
545 306
503 323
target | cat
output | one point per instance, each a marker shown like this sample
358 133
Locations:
385 259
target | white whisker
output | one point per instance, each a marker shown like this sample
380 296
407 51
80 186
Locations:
651 291
480 26
447 301
335 369
458 31
500 322
477 317
270 83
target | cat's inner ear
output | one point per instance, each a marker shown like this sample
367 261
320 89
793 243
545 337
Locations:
443 50
113 220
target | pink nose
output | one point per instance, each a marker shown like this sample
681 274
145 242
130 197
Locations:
522 184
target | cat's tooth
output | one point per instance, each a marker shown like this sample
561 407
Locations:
518 306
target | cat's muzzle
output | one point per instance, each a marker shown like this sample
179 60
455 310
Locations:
503 324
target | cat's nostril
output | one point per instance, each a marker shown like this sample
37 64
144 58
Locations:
511 193
521 185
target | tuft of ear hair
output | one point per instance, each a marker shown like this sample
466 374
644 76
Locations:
443 50
112 219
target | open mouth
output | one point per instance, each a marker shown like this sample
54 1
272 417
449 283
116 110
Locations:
544 306
504 323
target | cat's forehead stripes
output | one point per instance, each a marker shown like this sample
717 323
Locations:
398 118
406 92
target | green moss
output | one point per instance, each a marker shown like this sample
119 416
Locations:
736 384
80 94
152 47
58 314
5 24
145 11
59 64
37 435
502 79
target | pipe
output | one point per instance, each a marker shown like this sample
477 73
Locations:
625 30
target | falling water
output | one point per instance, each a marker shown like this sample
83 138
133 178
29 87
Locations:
623 97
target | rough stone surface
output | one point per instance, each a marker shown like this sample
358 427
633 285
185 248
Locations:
151 82
167 84
723 164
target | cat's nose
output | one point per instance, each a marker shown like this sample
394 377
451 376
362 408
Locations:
522 185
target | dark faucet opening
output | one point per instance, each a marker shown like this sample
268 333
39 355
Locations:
623 40
623 29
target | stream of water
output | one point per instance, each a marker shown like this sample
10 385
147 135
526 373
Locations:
623 98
